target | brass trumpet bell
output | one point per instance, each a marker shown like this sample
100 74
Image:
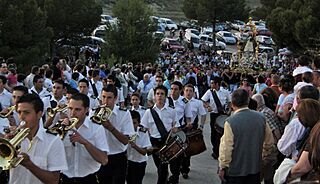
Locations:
101 114
53 111
10 112
9 149
61 129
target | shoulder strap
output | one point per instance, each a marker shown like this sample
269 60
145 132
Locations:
162 130
217 102
171 104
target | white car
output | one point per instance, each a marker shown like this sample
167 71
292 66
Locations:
100 31
264 40
191 32
226 37
241 37
168 23
195 41
209 41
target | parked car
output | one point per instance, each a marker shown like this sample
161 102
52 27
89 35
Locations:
100 31
171 44
191 32
195 39
188 24
105 18
264 40
241 37
168 23
237 25
268 50
206 39
226 37
264 31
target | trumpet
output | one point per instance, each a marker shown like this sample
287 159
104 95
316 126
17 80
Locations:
53 111
61 129
101 114
10 112
9 149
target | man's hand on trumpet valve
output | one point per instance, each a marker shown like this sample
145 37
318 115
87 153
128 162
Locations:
26 162
76 137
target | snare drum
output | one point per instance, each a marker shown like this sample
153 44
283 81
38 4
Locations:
175 146
219 125
195 142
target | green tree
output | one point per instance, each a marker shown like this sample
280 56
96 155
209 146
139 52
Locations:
130 39
209 11
296 24
23 32
72 19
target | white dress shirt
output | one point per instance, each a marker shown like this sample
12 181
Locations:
122 121
143 141
183 109
197 108
4 123
145 87
167 116
292 133
5 99
47 104
140 109
43 93
223 95
47 152
80 162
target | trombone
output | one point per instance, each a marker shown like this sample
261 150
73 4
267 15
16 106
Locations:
10 112
53 111
101 114
61 129
9 149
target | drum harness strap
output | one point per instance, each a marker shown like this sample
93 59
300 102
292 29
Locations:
162 130
217 101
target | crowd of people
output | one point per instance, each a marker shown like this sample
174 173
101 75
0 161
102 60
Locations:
263 123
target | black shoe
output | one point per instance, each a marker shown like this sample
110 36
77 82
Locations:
185 175
214 156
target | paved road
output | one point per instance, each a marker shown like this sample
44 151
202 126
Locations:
203 167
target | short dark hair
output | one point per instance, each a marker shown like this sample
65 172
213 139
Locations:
216 80
308 92
95 73
287 83
36 78
136 95
177 83
111 88
34 69
135 115
161 87
71 90
21 77
33 99
81 97
3 79
240 98
304 60
112 77
189 86
61 82
85 81
23 89
48 73
316 62
260 79
75 75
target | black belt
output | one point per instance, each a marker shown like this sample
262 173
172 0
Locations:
91 178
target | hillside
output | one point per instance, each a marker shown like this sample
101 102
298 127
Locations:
168 8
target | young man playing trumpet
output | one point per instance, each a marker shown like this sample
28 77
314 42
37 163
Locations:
118 128
86 145
43 154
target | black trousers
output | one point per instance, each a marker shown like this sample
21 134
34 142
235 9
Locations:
135 172
4 177
162 168
185 165
215 136
175 166
91 178
115 171
249 179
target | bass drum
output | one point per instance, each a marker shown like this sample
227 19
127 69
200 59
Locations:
219 125
195 142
